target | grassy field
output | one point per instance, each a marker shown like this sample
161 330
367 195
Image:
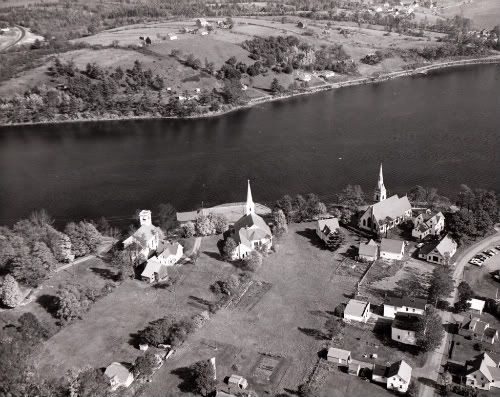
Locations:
484 13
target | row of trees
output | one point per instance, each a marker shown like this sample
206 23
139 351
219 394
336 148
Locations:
300 208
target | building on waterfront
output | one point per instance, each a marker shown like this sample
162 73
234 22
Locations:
167 254
385 213
251 231
147 237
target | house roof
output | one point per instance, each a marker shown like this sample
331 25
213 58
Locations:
356 308
380 370
408 301
485 365
392 246
427 248
406 321
368 249
331 223
446 245
339 353
166 248
392 207
476 304
153 266
400 368
236 378
118 372
251 227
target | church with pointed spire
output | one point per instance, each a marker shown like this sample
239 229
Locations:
251 231
386 212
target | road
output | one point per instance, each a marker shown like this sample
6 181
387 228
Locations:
23 33
432 366
105 246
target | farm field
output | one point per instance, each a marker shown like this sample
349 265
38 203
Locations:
484 13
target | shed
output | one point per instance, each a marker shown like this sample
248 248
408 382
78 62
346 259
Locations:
238 381
357 310
339 356
476 305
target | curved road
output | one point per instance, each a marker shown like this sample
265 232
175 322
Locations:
23 33
432 366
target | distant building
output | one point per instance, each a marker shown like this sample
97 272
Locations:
237 381
118 375
357 310
427 223
147 237
439 252
368 251
392 249
339 356
406 304
386 213
306 77
202 23
404 328
250 231
326 228
172 36
301 24
396 377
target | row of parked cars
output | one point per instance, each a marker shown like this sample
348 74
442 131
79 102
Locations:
479 258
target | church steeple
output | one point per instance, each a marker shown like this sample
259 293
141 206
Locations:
380 193
250 206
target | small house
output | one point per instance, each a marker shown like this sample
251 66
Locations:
427 223
479 330
404 328
439 253
202 23
204 32
306 77
118 375
476 305
392 249
237 381
339 356
326 228
368 251
396 376
357 310
406 304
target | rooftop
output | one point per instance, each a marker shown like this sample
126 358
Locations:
476 304
368 249
408 301
392 246
406 321
356 308
339 353
392 207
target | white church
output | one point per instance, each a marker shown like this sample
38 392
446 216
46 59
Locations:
385 213
250 231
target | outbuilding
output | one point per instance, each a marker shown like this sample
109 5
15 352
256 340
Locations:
237 381
392 249
357 310
339 356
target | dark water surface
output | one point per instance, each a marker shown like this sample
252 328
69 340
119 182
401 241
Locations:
441 131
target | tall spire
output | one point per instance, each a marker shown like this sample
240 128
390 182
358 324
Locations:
250 206
380 193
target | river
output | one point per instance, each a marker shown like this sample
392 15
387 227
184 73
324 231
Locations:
441 130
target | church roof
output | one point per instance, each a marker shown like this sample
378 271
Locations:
392 208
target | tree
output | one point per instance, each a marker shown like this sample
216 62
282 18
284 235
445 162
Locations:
188 229
229 248
10 295
43 257
146 364
334 327
335 240
157 332
232 91
167 215
352 196
203 377
462 225
203 225
430 331
286 204
71 303
465 294
482 222
417 194
123 261
441 284
276 87
279 220
60 244
91 236
219 222
253 261
466 197
84 237
308 390
90 382
346 215
30 329
27 271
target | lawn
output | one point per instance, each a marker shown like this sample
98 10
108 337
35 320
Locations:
273 335
339 384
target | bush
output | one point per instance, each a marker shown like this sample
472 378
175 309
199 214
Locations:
253 262
219 222
10 294
188 230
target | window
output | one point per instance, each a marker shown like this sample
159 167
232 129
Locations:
399 336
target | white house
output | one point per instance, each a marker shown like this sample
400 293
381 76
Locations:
406 304
386 213
392 249
479 330
357 310
118 375
476 305
172 36
368 251
147 237
396 376
237 381
339 356
427 223
482 372
250 231
404 328
439 253
167 254
325 228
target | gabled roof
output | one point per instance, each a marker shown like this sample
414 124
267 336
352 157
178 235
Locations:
392 207
446 245
251 227
484 364
153 266
392 246
331 223
380 370
368 249
406 321
400 368
356 308
339 353
118 372
166 248
408 301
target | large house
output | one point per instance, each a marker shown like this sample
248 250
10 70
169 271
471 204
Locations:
396 376
167 254
386 213
357 310
251 231
147 237
427 223
326 228
404 328
482 372
392 249
406 304
474 328
439 252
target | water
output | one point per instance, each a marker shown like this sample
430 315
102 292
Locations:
440 131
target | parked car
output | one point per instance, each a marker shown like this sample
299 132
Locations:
498 247
419 245
496 276
492 252
481 258
476 262
487 253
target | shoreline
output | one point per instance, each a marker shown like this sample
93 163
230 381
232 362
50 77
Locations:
421 70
